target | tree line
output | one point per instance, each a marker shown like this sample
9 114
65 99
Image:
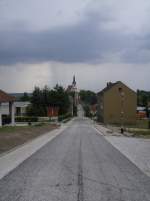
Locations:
43 98
143 98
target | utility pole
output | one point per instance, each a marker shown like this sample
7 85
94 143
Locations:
122 95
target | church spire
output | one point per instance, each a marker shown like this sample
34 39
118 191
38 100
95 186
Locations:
74 81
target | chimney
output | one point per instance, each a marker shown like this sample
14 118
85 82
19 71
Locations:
109 84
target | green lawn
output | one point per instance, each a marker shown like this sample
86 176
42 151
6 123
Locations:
11 129
145 133
144 123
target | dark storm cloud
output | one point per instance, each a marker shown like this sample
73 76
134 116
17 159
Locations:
86 41
137 50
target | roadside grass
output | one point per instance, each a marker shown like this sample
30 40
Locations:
11 137
143 133
142 123
12 129
140 129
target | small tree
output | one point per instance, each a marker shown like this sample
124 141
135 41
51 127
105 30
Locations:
37 107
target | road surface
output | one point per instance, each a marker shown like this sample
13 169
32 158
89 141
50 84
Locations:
78 165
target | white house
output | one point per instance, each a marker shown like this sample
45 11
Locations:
20 108
6 98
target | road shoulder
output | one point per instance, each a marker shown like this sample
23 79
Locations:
135 149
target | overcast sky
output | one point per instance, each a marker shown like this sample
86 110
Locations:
44 42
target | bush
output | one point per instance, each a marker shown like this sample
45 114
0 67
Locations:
26 119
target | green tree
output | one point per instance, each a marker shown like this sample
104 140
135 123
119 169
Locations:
43 98
88 97
60 98
37 107
143 97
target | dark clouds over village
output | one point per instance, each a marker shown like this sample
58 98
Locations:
47 42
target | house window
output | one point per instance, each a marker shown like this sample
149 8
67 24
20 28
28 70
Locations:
120 89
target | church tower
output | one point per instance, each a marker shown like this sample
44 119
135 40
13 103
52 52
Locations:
75 90
74 81
74 96
74 84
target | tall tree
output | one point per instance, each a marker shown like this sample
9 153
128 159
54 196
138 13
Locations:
43 98
88 97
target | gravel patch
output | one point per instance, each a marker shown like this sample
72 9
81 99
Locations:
135 149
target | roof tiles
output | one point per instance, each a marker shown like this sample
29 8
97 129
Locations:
4 97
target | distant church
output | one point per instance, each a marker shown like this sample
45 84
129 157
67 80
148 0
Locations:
74 90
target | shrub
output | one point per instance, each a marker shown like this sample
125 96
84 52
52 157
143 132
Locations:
26 119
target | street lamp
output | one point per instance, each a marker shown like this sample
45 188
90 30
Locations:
122 95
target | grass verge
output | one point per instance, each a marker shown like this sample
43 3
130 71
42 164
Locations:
143 133
10 137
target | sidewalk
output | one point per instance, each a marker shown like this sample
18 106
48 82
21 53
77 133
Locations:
135 149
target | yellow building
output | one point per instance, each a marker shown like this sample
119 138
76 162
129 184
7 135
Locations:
117 104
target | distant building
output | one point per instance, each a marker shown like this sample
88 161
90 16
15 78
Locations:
141 112
117 104
53 111
93 109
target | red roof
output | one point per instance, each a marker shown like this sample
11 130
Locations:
4 97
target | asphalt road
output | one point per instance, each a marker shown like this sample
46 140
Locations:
78 165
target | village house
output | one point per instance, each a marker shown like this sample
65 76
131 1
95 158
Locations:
6 98
141 112
117 104
20 108
93 109
53 112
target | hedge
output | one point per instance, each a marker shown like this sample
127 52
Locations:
26 119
